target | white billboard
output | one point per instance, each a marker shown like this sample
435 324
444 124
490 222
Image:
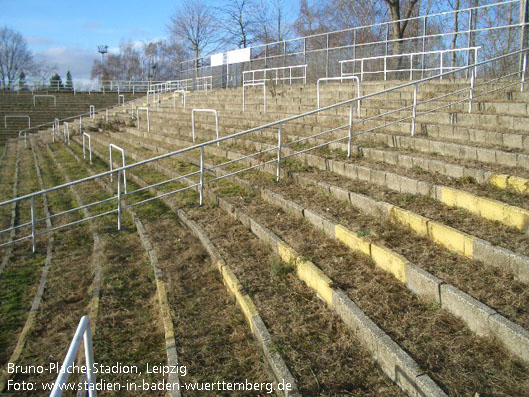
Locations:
217 59
236 56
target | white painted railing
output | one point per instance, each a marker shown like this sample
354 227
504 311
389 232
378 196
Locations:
119 149
44 96
204 111
412 55
146 109
249 76
82 334
16 116
253 84
87 136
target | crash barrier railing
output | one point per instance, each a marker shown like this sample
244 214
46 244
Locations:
122 151
121 97
146 110
182 94
44 96
465 92
17 116
56 122
204 111
66 131
82 334
87 136
250 84
499 22
25 138
281 74
412 55
340 79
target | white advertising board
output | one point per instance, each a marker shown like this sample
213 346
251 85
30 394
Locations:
237 56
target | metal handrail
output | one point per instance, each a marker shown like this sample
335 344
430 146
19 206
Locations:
16 116
253 84
279 124
204 111
411 55
387 41
82 334
276 70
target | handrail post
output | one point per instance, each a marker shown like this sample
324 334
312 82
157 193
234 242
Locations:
193 124
471 95
217 126
350 133
89 354
264 95
441 65
411 67
201 175
33 241
119 199
524 68
414 115
278 170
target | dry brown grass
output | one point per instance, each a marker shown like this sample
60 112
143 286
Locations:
320 351
461 362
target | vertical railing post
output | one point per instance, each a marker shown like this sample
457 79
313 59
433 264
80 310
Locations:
524 68
350 133
278 169
89 355
411 67
33 241
523 34
119 199
414 115
471 95
441 65
385 68
423 46
201 175
327 61
354 52
264 95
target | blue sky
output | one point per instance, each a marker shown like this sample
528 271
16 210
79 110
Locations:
66 33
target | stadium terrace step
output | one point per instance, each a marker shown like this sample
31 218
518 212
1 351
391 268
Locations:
184 280
239 199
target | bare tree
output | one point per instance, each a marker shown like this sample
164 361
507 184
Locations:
234 22
195 25
397 12
269 23
14 56
456 8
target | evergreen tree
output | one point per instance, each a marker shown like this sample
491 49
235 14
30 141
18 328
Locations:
56 82
69 81
22 81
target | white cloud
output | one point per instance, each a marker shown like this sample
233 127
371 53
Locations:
77 61
37 40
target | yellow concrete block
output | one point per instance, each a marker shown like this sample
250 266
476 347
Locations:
231 280
517 184
517 217
499 180
415 222
451 238
286 253
389 261
492 209
247 306
316 279
350 239
449 196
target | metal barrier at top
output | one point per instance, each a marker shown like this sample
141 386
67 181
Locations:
412 55
479 25
273 154
280 74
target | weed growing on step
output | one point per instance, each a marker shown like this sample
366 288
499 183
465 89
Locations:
279 268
